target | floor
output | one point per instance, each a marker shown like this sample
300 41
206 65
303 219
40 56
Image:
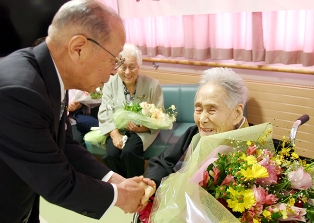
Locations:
50 213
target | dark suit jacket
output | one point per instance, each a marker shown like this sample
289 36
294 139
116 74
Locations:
162 165
37 153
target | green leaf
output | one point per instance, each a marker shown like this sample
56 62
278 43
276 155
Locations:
310 213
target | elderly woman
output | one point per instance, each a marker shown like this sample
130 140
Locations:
219 105
124 88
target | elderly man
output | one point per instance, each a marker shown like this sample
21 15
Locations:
219 105
38 156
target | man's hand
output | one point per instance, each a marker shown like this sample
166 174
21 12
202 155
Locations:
130 194
116 179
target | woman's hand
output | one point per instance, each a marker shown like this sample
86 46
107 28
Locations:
116 138
74 106
150 188
131 127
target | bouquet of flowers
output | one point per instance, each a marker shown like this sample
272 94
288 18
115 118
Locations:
97 94
238 177
145 114
141 114
87 98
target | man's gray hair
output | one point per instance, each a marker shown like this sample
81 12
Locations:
232 83
132 50
86 17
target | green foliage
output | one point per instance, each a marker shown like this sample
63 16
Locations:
96 94
134 107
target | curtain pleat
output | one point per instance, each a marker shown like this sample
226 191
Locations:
285 37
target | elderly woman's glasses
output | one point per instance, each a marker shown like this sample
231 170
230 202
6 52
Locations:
119 61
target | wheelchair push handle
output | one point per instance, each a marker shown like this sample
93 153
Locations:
300 121
303 119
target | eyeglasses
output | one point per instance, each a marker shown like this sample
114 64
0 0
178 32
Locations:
119 61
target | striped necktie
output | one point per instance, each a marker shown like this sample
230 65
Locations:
62 107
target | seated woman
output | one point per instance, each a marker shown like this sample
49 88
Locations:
218 107
128 86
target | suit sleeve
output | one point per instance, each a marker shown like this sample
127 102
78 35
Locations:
162 165
81 159
66 177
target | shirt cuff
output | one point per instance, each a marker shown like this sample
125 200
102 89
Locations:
107 176
115 190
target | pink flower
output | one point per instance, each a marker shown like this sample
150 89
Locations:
205 179
264 161
300 179
272 177
145 213
227 180
251 150
216 174
262 196
256 210
259 194
271 199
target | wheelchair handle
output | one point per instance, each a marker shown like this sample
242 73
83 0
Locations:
300 121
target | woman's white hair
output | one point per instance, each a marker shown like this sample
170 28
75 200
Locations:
132 50
232 83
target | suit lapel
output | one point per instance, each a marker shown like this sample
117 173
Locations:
50 77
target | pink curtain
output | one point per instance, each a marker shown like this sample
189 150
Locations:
285 37
112 3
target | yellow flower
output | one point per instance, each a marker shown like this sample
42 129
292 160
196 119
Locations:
256 171
304 199
284 214
243 156
267 214
285 152
256 220
279 159
295 155
291 201
239 201
251 160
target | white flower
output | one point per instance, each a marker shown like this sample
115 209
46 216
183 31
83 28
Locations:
145 108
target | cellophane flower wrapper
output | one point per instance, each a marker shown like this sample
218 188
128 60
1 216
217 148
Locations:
180 198
84 98
121 118
95 137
